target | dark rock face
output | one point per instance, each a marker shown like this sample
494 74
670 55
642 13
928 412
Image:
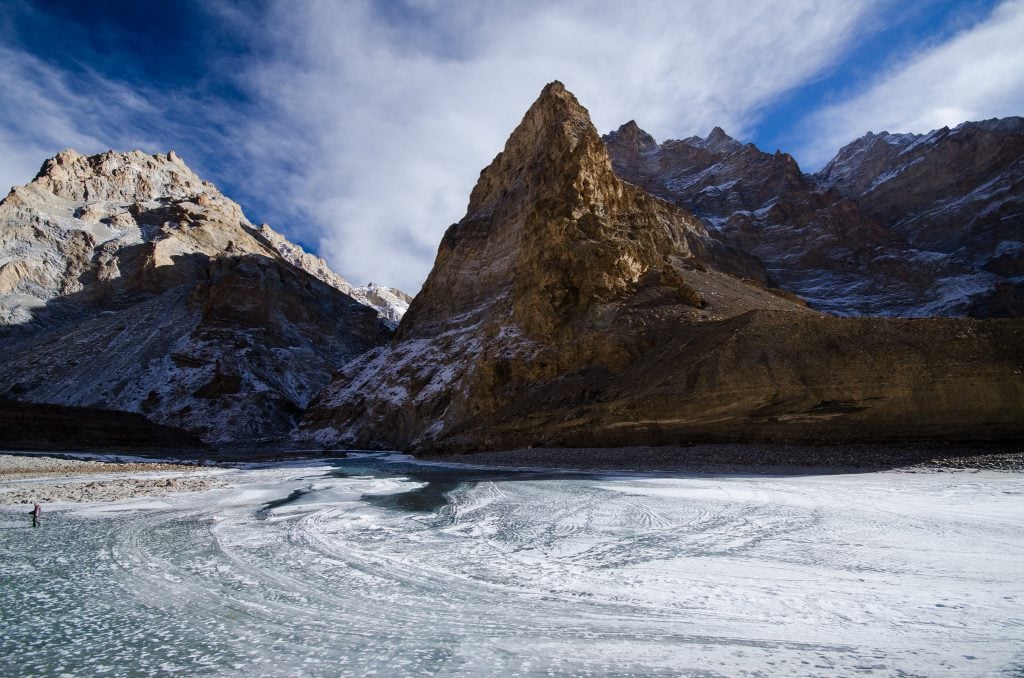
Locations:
895 225
155 295
34 426
571 308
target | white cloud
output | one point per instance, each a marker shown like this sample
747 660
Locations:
386 119
38 122
47 109
366 124
977 74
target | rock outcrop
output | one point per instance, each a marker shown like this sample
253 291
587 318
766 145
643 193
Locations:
896 225
128 283
571 308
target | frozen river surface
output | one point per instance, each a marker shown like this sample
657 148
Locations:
376 565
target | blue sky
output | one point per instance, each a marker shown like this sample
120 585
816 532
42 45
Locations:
359 128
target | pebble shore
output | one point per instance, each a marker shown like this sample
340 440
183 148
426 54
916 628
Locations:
743 458
41 479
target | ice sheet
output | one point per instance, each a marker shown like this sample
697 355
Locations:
376 564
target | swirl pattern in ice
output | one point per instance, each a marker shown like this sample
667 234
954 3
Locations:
379 565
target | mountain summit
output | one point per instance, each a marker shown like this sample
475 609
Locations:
550 231
569 307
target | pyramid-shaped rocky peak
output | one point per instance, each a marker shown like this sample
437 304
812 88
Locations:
550 230
555 139
569 307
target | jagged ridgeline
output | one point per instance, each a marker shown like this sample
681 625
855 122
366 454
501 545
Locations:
569 307
906 225
128 283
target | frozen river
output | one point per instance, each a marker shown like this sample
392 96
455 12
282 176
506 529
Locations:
377 565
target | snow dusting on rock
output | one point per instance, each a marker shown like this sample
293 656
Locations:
127 282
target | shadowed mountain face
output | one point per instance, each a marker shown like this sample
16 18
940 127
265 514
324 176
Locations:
896 225
31 426
569 307
128 283
956 191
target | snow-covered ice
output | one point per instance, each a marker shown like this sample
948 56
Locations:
378 564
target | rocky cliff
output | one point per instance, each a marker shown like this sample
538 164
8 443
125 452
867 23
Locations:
128 283
895 225
569 307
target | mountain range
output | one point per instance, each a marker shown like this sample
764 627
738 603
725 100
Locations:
572 308
599 291
902 225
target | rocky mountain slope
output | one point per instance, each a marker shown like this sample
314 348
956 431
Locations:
128 283
956 191
569 307
903 225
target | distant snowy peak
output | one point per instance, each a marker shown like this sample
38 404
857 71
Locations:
714 176
895 224
717 141
631 135
858 164
958 191
873 159
390 303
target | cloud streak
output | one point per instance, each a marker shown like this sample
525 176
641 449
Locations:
40 116
359 128
395 115
47 109
977 74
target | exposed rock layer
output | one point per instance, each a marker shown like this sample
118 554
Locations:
571 308
128 283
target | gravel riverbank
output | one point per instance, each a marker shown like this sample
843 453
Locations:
756 458
42 479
